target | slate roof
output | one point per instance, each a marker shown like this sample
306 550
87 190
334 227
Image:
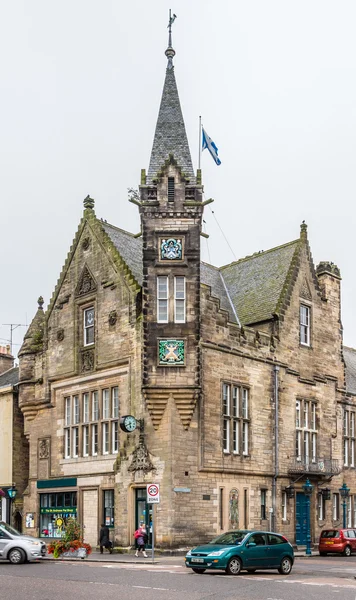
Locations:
350 362
211 276
129 247
170 135
10 377
255 283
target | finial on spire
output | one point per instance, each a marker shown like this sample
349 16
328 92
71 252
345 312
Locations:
40 302
88 202
170 52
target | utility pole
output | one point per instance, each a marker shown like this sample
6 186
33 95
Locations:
13 326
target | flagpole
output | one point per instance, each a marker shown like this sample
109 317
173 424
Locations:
199 143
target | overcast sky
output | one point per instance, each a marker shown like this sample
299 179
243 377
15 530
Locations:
80 87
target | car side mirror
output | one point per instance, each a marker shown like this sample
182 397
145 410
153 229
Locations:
250 544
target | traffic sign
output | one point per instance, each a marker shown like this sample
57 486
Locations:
153 493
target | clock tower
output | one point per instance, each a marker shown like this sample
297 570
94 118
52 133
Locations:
171 210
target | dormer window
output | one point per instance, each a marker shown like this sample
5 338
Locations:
89 322
304 317
170 189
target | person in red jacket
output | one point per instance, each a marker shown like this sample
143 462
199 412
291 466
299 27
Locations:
140 536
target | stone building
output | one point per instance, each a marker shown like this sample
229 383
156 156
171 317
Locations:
235 376
13 444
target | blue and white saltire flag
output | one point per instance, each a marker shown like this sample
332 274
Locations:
208 143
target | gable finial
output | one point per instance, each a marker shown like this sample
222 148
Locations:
170 53
88 202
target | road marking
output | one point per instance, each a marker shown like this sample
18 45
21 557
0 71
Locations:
142 587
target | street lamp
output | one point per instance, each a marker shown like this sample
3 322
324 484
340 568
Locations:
344 492
11 492
308 490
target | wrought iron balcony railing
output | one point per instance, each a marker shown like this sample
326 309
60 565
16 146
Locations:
320 466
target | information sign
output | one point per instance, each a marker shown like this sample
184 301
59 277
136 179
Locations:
153 493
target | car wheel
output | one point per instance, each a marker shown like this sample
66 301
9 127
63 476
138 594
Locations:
198 570
286 566
233 566
347 551
16 556
322 553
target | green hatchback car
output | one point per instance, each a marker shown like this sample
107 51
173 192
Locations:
239 550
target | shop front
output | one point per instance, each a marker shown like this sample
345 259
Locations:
57 503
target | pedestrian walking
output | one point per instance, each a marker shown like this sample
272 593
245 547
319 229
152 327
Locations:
141 539
104 540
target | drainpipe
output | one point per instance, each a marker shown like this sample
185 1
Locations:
276 434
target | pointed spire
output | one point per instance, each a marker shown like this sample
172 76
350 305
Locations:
170 135
33 340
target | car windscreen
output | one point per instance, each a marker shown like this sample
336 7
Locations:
9 529
231 538
330 533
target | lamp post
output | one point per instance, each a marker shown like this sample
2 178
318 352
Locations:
11 492
308 490
344 492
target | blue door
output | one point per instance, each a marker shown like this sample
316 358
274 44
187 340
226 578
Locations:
300 519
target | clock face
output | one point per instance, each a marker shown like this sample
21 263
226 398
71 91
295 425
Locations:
128 423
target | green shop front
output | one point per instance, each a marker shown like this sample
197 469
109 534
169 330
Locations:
57 503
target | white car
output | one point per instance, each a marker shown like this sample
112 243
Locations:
18 548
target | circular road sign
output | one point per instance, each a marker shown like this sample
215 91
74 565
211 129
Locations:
153 489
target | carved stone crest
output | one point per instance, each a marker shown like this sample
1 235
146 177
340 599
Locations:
112 317
60 335
171 249
86 243
141 459
86 283
44 448
87 361
305 291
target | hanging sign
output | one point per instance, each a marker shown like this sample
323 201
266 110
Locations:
153 493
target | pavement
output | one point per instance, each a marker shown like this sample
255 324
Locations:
168 559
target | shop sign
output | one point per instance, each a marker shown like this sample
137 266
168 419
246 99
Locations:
59 511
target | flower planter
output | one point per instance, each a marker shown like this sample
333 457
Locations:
79 553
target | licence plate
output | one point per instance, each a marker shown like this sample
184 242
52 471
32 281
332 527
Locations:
197 560
329 542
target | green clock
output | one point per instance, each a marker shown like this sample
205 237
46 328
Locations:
128 423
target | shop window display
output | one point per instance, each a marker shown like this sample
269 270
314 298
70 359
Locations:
55 510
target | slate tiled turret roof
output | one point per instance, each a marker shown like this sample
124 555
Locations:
10 377
255 283
170 135
350 363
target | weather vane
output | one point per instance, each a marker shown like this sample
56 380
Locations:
172 18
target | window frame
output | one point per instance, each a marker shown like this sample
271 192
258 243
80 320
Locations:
85 412
162 298
306 434
88 328
321 507
305 324
235 418
180 300
348 436
284 506
336 506
109 507
263 504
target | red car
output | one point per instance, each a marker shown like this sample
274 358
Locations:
337 541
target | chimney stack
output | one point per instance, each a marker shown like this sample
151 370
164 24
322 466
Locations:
6 359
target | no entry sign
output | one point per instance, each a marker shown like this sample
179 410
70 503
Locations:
153 493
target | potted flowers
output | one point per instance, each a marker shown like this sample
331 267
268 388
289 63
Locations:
71 544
